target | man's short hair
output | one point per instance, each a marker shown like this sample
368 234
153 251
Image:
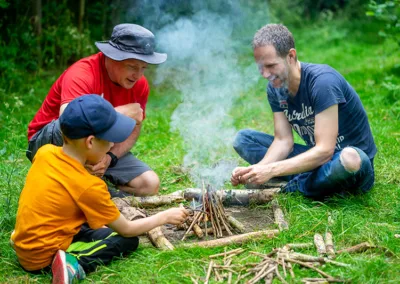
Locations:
276 35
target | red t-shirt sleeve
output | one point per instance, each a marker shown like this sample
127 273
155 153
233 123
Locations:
76 82
142 91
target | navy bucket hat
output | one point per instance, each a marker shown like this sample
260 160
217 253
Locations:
92 115
130 41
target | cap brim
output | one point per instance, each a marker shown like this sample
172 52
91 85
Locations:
120 131
118 55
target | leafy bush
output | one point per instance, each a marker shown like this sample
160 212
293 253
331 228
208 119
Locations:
389 13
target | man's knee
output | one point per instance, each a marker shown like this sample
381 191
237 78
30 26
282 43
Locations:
350 159
148 183
240 137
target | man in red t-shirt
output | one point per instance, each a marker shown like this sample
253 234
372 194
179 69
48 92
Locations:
115 73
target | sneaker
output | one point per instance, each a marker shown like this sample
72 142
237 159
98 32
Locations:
66 269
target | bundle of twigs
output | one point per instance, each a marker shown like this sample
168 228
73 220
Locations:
211 217
276 264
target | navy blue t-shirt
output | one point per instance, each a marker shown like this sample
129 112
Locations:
321 86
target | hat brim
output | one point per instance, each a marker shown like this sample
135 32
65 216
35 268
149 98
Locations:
119 55
119 131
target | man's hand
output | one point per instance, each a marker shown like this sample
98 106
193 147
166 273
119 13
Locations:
255 174
175 216
133 110
100 168
236 178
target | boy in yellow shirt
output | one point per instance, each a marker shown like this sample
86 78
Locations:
63 209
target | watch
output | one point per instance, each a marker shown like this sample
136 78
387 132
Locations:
114 159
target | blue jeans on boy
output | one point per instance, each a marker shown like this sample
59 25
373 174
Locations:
328 179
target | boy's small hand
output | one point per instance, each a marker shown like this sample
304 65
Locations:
100 168
175 216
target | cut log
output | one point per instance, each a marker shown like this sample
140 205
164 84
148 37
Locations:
319 244
236 224
330 249
198 232
155 201
158 239
237 239
278 215
233 197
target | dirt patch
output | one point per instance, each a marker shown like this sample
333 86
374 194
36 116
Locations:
253 219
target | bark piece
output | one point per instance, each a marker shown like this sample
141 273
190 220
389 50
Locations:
279 217
158 239
236 224
237 239
330 250
319 244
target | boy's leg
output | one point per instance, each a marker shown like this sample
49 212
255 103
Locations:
65 268
49 134
99 247
336 176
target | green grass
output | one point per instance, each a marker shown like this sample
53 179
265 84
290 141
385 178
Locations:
356 51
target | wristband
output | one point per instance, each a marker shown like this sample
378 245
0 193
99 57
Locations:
114 160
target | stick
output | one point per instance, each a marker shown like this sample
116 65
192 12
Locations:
329 280
357 248
279 217
291 270
279 275
196 216
297 246
310 266
234 252
236 224
330 250
237 239
210 266
319 244
158 239
197 231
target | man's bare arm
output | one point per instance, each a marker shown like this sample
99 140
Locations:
325 133
283 140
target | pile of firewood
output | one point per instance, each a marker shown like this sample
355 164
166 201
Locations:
211 218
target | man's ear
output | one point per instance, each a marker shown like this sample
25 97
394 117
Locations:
292 55
89 141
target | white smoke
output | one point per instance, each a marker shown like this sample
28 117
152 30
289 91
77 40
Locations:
204 68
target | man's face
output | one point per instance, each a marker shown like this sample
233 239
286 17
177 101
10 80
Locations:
127 72
271 66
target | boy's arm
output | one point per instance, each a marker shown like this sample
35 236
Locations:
134 228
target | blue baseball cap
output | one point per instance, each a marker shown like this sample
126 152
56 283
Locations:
92 115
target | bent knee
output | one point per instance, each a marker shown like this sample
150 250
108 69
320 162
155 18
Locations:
240 137
150 182
350 159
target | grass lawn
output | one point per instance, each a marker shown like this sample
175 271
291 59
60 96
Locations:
355 50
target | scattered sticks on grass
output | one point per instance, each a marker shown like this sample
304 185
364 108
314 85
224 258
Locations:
270 266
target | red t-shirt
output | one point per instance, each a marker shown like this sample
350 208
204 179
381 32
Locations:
87 76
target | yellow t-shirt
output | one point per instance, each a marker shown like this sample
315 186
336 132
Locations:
58 197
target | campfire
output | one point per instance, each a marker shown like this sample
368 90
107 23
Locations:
210 217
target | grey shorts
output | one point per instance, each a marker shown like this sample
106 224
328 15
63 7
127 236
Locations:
127 168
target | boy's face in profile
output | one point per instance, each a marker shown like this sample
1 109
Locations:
98 150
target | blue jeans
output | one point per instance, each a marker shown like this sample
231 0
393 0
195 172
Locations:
326 180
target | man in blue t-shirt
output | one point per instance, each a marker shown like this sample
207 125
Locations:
320 105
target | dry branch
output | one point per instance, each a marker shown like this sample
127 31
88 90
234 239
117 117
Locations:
330 250
279 217
319 244
236 224
309 266
237 239
158 239
297 246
